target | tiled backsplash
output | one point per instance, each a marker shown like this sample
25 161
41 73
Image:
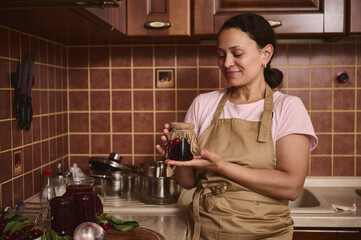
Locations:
93 100
46 143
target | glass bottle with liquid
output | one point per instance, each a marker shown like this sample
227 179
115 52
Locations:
48 190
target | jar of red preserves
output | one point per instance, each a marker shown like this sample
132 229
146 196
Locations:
182 142
62 213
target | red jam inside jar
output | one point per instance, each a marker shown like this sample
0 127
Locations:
62 213
179 149
182 144
84 207
75 187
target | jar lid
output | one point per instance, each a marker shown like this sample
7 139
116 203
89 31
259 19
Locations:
182 126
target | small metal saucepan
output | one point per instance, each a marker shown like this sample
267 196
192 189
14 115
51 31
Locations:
117 179
157 183
157 169
121 184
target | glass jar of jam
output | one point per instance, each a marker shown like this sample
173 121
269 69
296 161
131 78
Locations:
182 142
62 215
84 207
84 185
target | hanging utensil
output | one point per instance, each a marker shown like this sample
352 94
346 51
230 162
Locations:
23 93
29 108
18 96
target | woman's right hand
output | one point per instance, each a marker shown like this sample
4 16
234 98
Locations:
164 139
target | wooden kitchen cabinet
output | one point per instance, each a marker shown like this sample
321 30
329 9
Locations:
299 18
354 17
327 233
71 26
158 12
108 18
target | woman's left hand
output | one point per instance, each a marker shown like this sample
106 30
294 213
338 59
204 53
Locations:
206 161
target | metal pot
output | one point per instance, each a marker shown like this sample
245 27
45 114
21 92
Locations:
109 181
157 169
117 183
157 183
117 179
158 190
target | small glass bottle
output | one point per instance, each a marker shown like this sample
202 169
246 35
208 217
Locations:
48 190
59 182
182 142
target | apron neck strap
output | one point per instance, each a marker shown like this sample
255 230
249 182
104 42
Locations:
221 104
265 126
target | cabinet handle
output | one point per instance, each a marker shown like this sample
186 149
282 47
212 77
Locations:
157 25
275 23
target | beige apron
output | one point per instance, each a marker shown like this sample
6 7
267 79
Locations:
224 209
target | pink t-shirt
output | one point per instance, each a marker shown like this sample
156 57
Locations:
289 114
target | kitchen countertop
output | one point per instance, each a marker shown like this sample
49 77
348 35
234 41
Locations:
170 220
333 190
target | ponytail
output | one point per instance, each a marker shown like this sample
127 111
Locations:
273 77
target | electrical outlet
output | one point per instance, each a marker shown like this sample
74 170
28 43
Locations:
18 162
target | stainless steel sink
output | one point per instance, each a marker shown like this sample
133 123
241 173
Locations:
310 202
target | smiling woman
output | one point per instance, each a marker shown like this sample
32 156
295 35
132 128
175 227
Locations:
242 62
254 142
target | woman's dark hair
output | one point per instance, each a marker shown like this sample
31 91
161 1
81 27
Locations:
259 30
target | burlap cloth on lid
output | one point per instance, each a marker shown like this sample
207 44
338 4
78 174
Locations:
184 130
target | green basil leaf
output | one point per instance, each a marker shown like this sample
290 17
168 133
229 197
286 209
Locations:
134 223
9 226
27 233
54 236
123 228
67 237
43 237
17 217
17 226
116 220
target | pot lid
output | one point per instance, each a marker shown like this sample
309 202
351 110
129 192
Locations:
107 165
102 164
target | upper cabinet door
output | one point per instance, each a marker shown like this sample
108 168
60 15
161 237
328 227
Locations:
158 17
296 18
355 17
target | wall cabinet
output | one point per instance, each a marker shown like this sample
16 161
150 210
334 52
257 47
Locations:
68 25
327 234
158 17
200 18
354 16
110 18
299 18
